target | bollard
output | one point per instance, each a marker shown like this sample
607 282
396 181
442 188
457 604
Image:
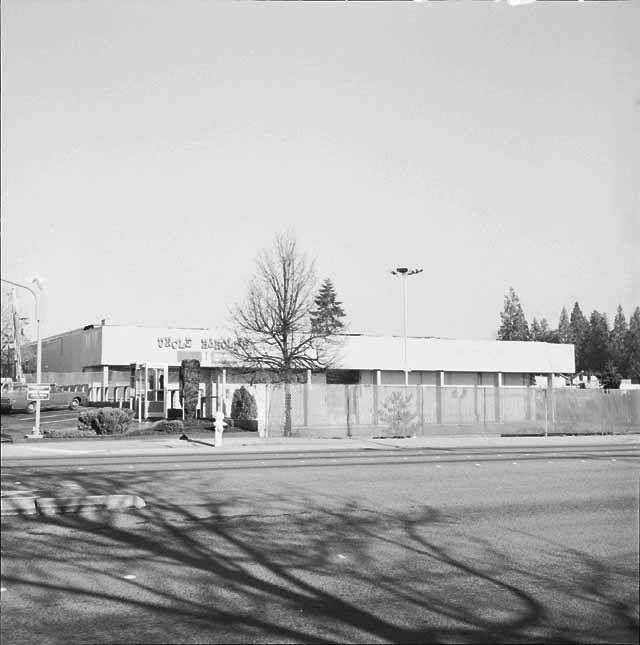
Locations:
218 426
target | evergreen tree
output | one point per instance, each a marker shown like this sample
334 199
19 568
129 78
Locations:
617 342
578 330
547 335
632 346
534 332
326 318
596 349
563 333
514 324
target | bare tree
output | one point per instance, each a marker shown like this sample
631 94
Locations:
273 325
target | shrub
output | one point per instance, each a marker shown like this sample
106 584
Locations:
105 420
189 387
68 433
398 413
168 427
243 405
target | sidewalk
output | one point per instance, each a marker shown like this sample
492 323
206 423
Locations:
201 444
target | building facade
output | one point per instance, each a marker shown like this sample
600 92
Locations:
123 362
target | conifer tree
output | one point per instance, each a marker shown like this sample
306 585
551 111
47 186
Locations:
617 342
546 335
514 324
596 350
578 331
534 332
327 317
632 346
563 327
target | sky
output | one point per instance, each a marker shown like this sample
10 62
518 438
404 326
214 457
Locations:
151 149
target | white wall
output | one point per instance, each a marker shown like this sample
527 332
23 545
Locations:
433 354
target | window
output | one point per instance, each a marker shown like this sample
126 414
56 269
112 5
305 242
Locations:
343 377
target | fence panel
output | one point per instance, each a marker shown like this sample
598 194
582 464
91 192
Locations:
396 410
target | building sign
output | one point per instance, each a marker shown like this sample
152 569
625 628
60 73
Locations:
171 342
179 342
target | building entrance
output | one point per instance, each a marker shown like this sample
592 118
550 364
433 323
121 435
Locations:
151 390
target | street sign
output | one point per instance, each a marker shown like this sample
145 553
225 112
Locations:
40 391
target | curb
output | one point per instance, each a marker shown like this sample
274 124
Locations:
77 504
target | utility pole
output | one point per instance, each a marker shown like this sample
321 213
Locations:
35 434
17 338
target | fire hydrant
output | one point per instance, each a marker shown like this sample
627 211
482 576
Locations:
218 426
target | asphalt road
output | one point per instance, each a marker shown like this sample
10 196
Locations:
396 546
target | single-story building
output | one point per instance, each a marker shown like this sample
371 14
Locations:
123 362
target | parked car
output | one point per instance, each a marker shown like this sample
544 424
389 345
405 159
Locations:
15 397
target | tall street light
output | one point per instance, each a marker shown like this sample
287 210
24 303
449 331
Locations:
403 272
35 434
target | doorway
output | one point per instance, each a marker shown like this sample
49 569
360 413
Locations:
156 377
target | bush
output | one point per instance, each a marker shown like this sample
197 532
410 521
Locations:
68 433
105 420
243 405
168 427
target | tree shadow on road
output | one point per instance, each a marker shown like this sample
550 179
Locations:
260 567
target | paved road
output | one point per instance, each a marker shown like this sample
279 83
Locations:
443 546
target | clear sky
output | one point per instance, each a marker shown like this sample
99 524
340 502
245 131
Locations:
150 149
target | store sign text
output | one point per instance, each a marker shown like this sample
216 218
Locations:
171 342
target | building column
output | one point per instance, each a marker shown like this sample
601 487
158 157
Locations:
476 400
498 403
551 402
307 397
222 404
105 381
376 394
210 408
439 384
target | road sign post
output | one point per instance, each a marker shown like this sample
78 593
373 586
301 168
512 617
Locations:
39 391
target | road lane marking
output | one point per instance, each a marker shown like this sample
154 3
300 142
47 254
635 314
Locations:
613 460
129 576
514 463
476 464
438 466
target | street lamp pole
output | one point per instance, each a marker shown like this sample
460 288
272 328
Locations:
35 434
403 272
